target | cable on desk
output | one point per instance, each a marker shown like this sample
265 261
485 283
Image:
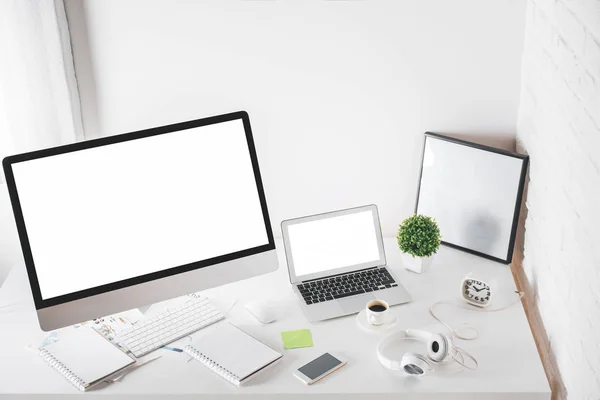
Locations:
468 326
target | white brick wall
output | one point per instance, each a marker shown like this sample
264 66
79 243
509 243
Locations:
559 126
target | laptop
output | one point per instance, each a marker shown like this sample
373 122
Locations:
336 262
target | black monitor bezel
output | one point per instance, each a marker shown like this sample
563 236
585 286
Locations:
9 161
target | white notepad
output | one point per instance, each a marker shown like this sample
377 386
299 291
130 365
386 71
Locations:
85 358
232 354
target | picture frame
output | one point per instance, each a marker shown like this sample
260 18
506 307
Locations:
474 192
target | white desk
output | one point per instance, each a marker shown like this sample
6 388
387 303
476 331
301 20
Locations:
510 366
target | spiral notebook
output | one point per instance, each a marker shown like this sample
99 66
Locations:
232 354
85 358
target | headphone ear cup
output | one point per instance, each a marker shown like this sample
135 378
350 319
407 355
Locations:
439 346
414 364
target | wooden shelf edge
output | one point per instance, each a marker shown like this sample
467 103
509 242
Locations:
531 308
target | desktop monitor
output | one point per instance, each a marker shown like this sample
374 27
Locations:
119 222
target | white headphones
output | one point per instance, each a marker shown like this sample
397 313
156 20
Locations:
440 351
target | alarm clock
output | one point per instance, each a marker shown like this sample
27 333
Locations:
475 292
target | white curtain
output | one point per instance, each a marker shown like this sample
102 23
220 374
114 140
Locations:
39 101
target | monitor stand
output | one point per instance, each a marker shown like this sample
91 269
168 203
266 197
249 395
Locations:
144 309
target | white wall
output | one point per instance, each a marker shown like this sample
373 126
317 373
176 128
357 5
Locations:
559 126
339 93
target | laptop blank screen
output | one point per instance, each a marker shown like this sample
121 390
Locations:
337 242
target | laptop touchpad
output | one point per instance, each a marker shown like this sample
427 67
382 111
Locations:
355 304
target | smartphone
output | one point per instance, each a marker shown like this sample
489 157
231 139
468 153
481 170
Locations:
319 368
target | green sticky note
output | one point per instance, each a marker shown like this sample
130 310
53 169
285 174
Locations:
296 339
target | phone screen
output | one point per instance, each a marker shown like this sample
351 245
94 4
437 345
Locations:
319 366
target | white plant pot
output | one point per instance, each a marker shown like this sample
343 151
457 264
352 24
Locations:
417 264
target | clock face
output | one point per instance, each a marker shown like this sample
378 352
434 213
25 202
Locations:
476 292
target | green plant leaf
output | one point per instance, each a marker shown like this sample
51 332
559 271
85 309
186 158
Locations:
419 235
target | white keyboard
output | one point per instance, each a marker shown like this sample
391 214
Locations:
150 334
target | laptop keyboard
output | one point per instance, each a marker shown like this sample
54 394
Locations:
341 286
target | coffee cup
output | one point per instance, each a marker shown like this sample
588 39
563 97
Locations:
377 312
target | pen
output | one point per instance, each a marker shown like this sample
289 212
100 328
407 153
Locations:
172 349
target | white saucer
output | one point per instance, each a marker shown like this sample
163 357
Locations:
361 320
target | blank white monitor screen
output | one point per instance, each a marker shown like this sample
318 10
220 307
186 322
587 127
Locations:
337 242
119 211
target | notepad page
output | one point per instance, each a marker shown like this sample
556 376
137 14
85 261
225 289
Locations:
88 355
235 350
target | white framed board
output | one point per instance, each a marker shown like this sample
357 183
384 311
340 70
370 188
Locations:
474 192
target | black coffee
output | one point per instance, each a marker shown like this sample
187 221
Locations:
377 308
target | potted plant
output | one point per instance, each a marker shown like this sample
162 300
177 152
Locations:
419 240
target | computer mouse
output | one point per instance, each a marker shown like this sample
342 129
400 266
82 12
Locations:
262 311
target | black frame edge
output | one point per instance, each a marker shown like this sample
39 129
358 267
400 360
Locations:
525 163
